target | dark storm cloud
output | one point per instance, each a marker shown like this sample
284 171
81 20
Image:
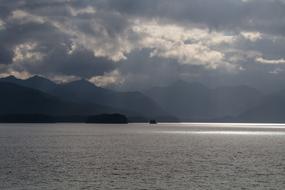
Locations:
267 15
51 41
143 40
54 45
6 56
81 63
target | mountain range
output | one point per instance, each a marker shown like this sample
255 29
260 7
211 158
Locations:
178 101
196 102
39 95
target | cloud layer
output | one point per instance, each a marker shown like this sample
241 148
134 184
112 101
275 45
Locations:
130 43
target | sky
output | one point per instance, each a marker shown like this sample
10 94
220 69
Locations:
138 44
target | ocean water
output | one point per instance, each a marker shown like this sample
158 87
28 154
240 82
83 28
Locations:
140 156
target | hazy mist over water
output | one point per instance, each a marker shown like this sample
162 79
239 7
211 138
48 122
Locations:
140 156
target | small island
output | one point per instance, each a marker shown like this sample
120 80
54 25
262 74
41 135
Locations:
108 119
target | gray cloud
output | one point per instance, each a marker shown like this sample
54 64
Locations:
143 43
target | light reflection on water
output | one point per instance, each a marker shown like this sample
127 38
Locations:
223 129
142 156
232 125
224 132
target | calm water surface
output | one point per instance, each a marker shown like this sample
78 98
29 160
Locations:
140 156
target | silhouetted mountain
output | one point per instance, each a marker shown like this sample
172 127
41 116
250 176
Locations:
183 100
35 82
84 91
75 101
196 102
270 109
233 100
133 104
15 99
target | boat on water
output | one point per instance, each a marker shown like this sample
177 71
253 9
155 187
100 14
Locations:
152 121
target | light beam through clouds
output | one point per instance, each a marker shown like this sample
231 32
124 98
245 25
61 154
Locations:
97 40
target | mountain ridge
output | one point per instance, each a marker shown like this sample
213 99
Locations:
195 101
134 104
179 100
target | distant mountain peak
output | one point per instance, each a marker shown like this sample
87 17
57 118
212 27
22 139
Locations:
38 78
82 82
10 77
35 82
41 82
